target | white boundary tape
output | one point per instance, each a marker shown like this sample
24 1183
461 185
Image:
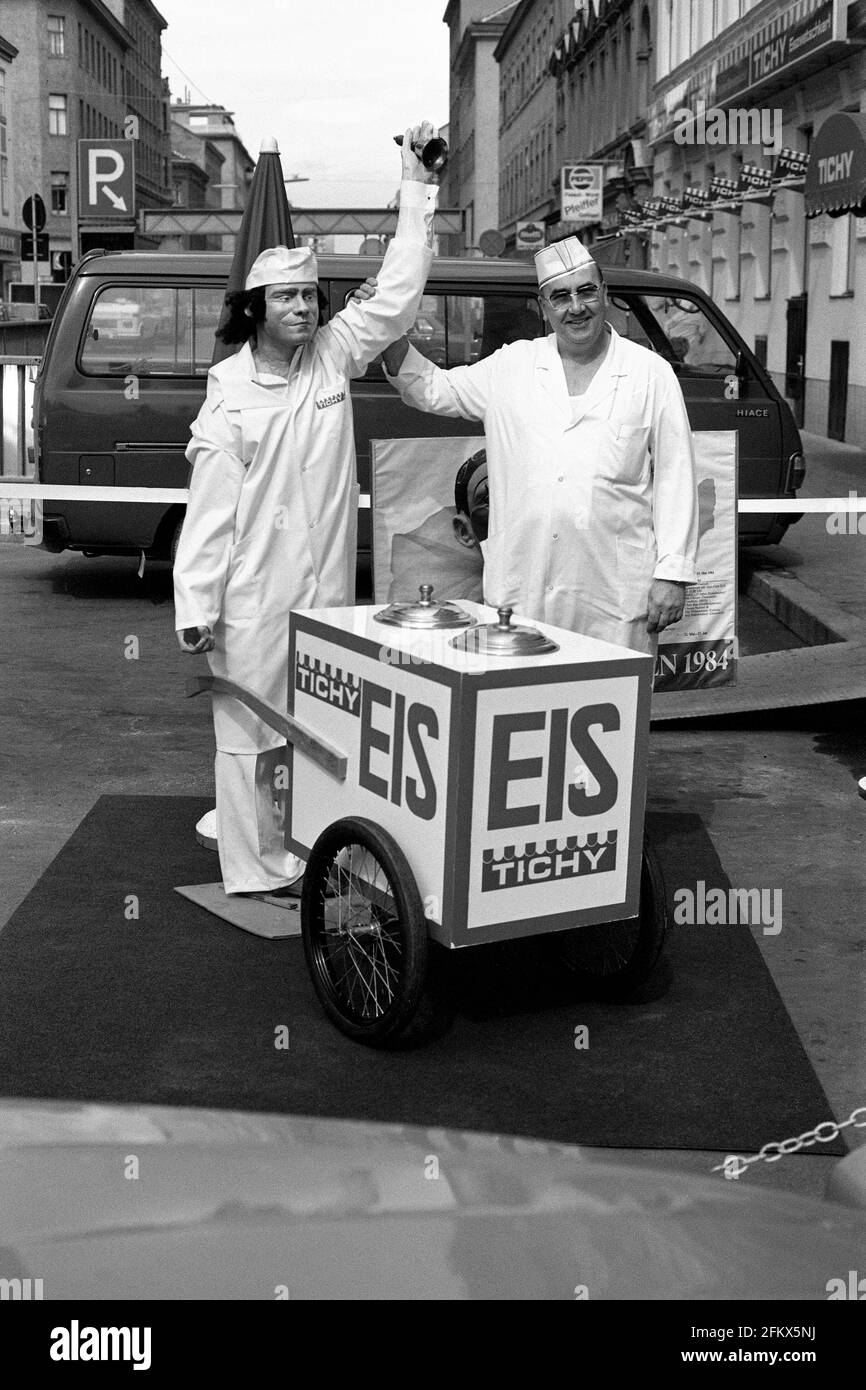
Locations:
23 489
851 503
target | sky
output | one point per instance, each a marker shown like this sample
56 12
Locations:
333 80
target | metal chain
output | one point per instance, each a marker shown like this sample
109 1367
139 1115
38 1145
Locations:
830 1129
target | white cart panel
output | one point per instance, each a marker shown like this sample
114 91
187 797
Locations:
515 788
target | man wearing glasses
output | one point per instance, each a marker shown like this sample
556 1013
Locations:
593 521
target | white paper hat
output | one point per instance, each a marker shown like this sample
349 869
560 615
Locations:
561 258
281 266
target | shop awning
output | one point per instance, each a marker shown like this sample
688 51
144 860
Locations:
836 177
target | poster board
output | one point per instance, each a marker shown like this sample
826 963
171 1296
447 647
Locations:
412 501
415 541
701 649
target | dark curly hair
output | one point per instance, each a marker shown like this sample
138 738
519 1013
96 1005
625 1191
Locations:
239 326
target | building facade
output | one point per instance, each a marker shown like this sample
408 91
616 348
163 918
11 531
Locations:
472 174
795 287
196 178
82 68
9 239
528 153
602 65
216 125
147 97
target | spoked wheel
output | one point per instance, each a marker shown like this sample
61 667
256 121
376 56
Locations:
613 959
365 937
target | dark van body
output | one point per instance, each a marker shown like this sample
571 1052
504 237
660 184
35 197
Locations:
129 349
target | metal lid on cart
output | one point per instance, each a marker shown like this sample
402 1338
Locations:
425 612
505 639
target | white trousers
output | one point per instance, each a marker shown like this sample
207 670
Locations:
251 817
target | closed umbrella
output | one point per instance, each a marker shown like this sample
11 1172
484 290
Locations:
266 222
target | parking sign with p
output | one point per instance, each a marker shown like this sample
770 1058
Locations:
106 179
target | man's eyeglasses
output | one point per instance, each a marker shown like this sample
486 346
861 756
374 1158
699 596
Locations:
584 294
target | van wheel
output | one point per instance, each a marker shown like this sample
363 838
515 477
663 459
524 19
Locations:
175 539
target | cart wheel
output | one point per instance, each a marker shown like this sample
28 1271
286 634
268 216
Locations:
365 936
615 958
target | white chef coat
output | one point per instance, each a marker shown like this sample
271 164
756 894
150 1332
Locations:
271 521
591 497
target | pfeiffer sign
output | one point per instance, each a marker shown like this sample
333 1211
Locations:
515 790
581 193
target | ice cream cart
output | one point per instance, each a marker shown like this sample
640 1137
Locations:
462 777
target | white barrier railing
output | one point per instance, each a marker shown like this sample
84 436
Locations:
17 377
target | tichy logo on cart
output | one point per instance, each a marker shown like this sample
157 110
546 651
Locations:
570 857
327 683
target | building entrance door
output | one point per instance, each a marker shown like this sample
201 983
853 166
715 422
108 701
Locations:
838 407
795 356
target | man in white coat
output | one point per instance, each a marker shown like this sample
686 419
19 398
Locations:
271 519
593 506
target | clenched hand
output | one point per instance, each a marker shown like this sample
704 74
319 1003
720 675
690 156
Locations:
667 599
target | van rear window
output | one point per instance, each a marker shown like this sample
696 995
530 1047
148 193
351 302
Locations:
454 330
164 330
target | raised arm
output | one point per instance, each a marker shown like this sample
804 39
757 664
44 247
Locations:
361 330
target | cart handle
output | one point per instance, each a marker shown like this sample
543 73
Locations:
331 759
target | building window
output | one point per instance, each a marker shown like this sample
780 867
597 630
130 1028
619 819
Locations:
60 192
56 114
763 235
842 250
56 36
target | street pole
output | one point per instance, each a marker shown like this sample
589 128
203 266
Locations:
34 219
74 224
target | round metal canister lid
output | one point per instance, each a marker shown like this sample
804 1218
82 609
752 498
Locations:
425 612
501 639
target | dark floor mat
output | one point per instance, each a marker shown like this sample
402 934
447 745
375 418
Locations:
114 988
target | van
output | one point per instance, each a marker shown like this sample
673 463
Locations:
129 349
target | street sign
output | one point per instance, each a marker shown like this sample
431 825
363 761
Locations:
529 236
33 213
581 192
491 242
106 179
61 265
42 248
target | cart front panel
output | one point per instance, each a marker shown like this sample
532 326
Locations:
515 789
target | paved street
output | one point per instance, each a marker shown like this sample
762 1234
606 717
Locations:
82 715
